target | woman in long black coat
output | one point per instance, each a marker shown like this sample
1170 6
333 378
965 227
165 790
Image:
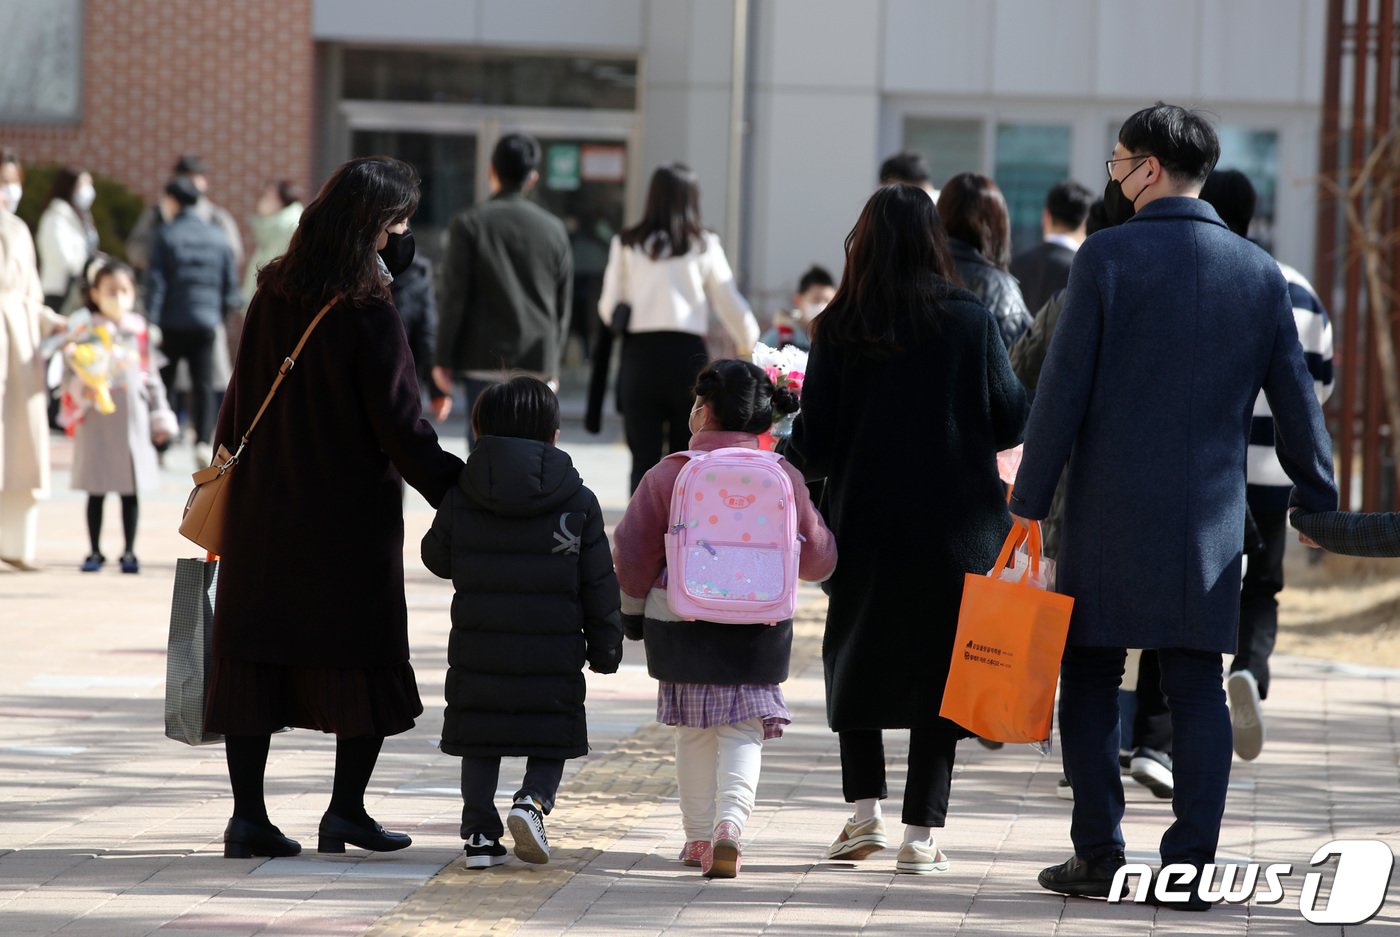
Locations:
310 624
908 397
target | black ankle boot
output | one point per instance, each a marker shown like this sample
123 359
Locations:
336 831
1082 879
244 839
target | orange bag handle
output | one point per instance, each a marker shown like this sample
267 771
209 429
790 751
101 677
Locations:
1014 539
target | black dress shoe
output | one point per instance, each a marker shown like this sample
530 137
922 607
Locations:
1191 900
244 839
1082 879
336 831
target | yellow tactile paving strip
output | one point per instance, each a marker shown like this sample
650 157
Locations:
607 798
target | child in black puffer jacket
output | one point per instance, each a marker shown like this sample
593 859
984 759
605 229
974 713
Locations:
536 598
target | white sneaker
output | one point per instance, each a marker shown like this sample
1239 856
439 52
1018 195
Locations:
526 824
859 840
1246 717
921 858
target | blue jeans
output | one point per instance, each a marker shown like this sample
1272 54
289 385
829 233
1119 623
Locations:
1192 682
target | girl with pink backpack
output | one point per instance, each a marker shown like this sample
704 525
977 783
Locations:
707 556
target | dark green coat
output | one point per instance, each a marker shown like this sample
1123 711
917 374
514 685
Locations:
536 599
507 287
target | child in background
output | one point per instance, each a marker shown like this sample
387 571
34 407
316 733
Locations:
535 598
718 682
116 452
814 291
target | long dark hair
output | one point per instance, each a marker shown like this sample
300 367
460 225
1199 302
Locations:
671 223
897 271
65 183
333 249
974 210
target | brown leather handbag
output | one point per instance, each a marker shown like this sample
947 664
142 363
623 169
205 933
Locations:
207 506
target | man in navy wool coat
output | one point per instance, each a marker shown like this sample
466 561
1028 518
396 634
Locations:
1172 324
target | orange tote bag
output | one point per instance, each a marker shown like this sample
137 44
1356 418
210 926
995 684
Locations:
1006 657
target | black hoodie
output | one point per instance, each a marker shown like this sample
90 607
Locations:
522 540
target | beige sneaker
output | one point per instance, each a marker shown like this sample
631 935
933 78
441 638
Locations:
921 858
858 840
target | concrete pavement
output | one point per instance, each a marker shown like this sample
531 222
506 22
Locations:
107 828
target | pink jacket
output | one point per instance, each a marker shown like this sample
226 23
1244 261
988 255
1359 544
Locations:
639 542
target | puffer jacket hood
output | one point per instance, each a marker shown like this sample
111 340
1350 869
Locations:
519 477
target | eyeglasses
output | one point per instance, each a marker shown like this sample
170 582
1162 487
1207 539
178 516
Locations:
1108 163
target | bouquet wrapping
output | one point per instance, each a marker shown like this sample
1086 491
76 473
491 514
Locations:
786 368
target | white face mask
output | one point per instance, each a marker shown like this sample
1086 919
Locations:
114 307
690 423
10 194
84 197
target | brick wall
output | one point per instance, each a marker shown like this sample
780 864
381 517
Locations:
230 80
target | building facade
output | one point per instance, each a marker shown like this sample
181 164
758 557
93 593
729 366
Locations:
785 108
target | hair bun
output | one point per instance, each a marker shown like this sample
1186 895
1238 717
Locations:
785 401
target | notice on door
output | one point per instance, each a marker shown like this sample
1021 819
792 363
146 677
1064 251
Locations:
562 172
604 163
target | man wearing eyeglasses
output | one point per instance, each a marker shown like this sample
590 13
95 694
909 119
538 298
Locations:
1171 326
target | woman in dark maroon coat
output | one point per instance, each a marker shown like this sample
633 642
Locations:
310 624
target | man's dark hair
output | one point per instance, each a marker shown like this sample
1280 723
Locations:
1097 219
907 167
288 192
1183 141
815 276
523 407
183 191
1231 194
516 156
189 165
1068 203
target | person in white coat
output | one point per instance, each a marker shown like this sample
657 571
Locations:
671 273
24 430
66 235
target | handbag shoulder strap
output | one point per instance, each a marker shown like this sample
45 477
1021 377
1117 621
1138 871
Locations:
287 364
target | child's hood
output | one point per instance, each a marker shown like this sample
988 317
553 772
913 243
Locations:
519 477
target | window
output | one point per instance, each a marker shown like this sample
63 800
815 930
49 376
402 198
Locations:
950 146
1030 159
1255 153
489 79
41 61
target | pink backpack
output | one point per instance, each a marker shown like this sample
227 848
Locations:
732 546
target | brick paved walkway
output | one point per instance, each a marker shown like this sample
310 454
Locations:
107 828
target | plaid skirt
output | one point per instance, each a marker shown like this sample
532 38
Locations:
703 705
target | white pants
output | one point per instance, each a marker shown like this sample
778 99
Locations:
19 525
717 772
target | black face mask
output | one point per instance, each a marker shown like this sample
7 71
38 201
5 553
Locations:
1117 207
398 253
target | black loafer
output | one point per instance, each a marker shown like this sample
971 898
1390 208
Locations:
1192 900
336 831
244 839
1082 879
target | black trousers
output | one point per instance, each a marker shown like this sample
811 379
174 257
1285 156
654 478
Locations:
1259 599
930 778
479 779
195 346
656 391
